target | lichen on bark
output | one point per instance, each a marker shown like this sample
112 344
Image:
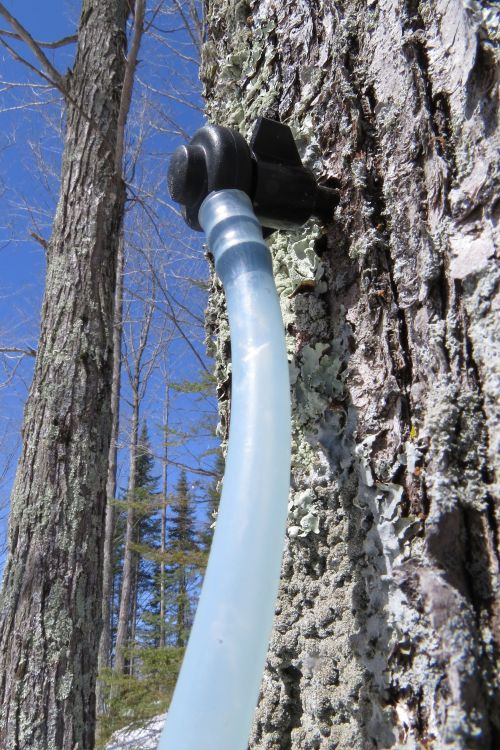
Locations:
387 622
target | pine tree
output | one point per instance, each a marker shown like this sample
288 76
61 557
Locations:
184 559
145 687
144 478
144 601
213 499
146 627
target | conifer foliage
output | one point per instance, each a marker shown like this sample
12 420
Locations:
145 687
144 625
184 561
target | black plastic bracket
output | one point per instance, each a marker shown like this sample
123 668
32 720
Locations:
269 170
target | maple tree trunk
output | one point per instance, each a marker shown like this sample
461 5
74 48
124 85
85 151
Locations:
387 623
50 616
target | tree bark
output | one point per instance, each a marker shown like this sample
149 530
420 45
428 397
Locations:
51 600
387 624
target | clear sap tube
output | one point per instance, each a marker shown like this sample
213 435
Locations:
217 690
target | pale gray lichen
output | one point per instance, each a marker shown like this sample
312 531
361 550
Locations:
317 383
295 261
250 58
306 138
303 514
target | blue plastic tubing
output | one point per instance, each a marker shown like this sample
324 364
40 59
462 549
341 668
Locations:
217 689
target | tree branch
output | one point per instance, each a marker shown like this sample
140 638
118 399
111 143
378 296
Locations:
169 95
28 352
52 76
47 45
23 60
187 25
41 240
26 37
128 83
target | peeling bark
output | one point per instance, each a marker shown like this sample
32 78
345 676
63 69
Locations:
50 615
387 625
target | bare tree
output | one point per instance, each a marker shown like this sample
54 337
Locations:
164 507
51 604
104 655
139 366
387 626
146 190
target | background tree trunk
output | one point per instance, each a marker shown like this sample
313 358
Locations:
104 655
132 619
164 477
51 601
387 625
138 373
129 556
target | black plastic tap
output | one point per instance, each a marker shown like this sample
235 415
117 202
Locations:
269 170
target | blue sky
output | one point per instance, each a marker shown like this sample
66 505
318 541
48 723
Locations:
30 133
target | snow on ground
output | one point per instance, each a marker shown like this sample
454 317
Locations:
145 738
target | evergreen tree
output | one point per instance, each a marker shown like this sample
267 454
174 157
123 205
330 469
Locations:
117 568
213 500
145 606
144 479
146 685
184 560
132 700
144 596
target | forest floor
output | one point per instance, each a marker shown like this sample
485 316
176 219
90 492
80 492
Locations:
144 738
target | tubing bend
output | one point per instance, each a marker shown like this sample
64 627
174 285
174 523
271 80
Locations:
217 689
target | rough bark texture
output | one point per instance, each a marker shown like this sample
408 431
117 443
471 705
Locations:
51 605
387 625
